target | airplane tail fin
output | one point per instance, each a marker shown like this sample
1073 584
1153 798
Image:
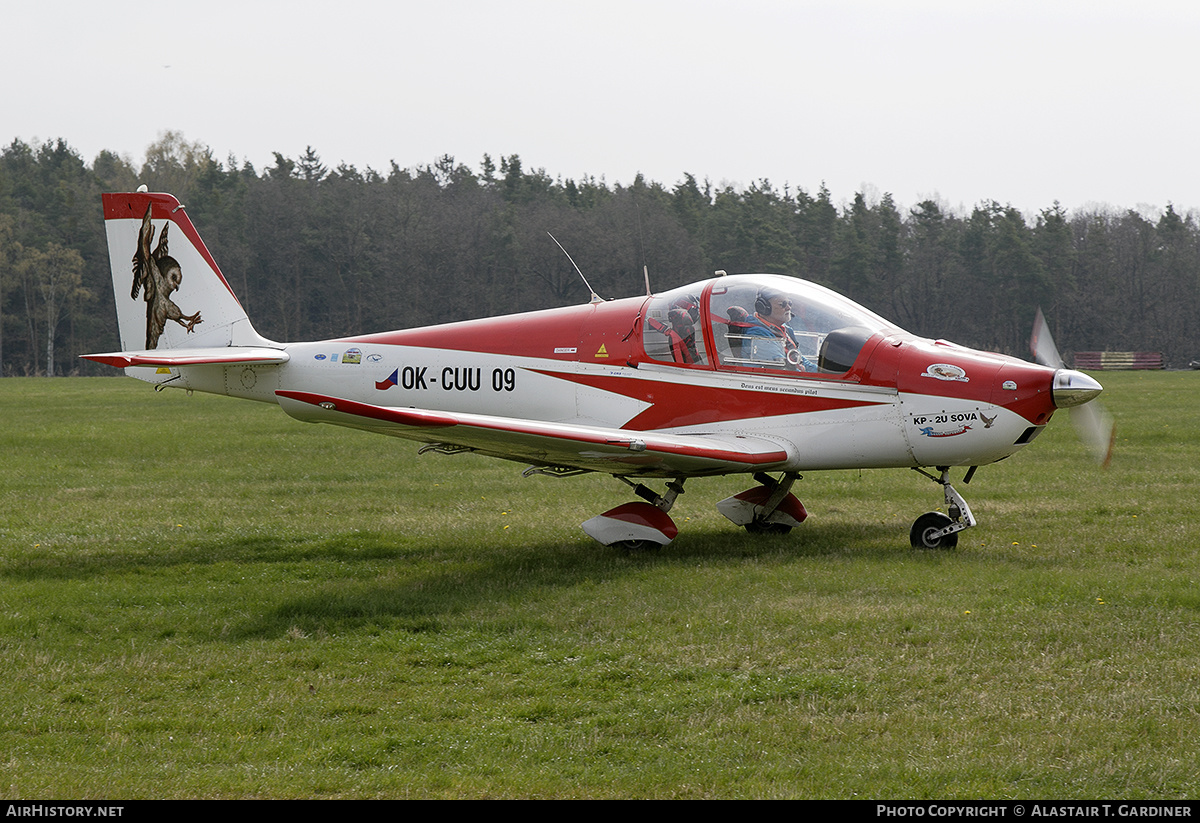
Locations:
173 303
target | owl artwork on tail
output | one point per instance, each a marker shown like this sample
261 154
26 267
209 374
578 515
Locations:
156 275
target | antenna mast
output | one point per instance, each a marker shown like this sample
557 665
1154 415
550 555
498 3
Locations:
595 297
642 243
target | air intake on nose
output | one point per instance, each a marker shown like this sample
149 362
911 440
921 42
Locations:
1028 435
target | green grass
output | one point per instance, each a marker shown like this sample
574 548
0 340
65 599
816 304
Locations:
201 597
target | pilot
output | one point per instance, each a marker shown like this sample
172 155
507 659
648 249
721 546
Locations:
773 310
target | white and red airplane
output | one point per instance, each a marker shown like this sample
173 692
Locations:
753 374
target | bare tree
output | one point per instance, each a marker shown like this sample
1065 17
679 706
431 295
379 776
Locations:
53 278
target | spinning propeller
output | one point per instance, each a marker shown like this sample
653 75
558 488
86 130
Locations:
1075 390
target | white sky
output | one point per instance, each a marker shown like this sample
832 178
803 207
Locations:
1087 102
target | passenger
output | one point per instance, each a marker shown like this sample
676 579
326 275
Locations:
690 305
683 337
773 310
680 329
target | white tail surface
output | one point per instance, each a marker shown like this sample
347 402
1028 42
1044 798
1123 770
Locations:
170 293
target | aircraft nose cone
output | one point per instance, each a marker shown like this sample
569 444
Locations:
1072 388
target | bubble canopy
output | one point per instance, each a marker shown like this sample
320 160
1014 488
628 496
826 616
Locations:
757 322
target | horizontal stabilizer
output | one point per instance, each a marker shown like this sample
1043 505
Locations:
224 356
614 451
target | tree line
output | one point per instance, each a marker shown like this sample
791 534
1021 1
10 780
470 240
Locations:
315 252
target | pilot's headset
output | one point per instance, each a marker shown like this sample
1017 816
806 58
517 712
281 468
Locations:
762 303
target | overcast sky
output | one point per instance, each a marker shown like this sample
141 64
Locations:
1027 102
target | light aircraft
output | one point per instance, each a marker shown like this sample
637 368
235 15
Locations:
753 374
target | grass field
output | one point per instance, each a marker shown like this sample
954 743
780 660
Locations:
200 597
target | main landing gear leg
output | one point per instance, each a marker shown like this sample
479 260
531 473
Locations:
934 530
638 526
769 508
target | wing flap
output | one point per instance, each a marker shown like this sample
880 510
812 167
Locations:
225 356
614 451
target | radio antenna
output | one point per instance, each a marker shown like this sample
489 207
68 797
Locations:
595 297
642 244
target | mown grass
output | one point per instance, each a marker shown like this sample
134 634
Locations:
200 597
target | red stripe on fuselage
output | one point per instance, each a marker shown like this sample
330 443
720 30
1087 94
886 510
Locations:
682 404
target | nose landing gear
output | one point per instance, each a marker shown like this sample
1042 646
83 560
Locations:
934 530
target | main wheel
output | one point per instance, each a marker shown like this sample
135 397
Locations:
928 524
763 527
636 545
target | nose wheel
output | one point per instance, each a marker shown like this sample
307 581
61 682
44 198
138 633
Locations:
934 530
929 532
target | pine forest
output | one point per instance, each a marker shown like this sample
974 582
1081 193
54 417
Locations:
315 252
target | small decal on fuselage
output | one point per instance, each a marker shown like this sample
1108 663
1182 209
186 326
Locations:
781 389
928 431
945 371
949 424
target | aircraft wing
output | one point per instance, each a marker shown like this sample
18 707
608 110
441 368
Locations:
612 451
226 356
